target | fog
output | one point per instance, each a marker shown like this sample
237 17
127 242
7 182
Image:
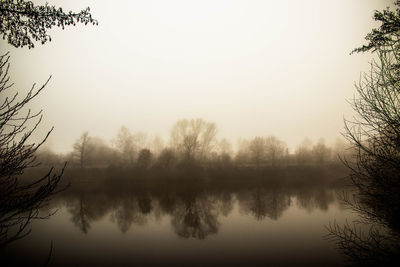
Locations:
212 133
255 68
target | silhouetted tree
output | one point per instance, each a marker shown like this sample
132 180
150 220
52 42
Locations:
82 149
268 150
340 150
156 145
224 147
243 155
19 201
257 150
275 150
194 138
144 158
23 22
375 168
125 144
376 131
101 154
321 152
166 159
303 152
386 36
47 157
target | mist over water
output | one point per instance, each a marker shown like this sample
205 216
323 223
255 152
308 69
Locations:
199 133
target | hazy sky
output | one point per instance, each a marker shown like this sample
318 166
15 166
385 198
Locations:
255 68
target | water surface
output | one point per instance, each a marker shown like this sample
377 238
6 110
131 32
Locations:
185 223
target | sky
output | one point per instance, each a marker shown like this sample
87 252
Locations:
255 68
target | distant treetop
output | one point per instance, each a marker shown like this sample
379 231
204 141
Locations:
22 22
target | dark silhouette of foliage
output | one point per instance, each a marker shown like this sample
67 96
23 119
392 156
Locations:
144 158
19 201
387 35
375 132
375 168
23 22
166 159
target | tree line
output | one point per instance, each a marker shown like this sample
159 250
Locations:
192 141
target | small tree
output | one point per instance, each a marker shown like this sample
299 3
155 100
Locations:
194 139
303 152
144 158
82 149
101 154
257 150
275 150
321 153
167 159
124 142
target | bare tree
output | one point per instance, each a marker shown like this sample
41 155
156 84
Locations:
321 152
375 167
224 147
19 201
224 152
156 145
82 149
266 150
21 23
125 145
207 138
194 138
275 150
257 150
303 152
242 156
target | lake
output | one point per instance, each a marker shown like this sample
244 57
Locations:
186 222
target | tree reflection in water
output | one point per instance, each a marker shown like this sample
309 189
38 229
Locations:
196 216
79 212
373 239
316 199
263 203
194 209
126 212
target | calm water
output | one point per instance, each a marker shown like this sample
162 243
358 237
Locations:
185 225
